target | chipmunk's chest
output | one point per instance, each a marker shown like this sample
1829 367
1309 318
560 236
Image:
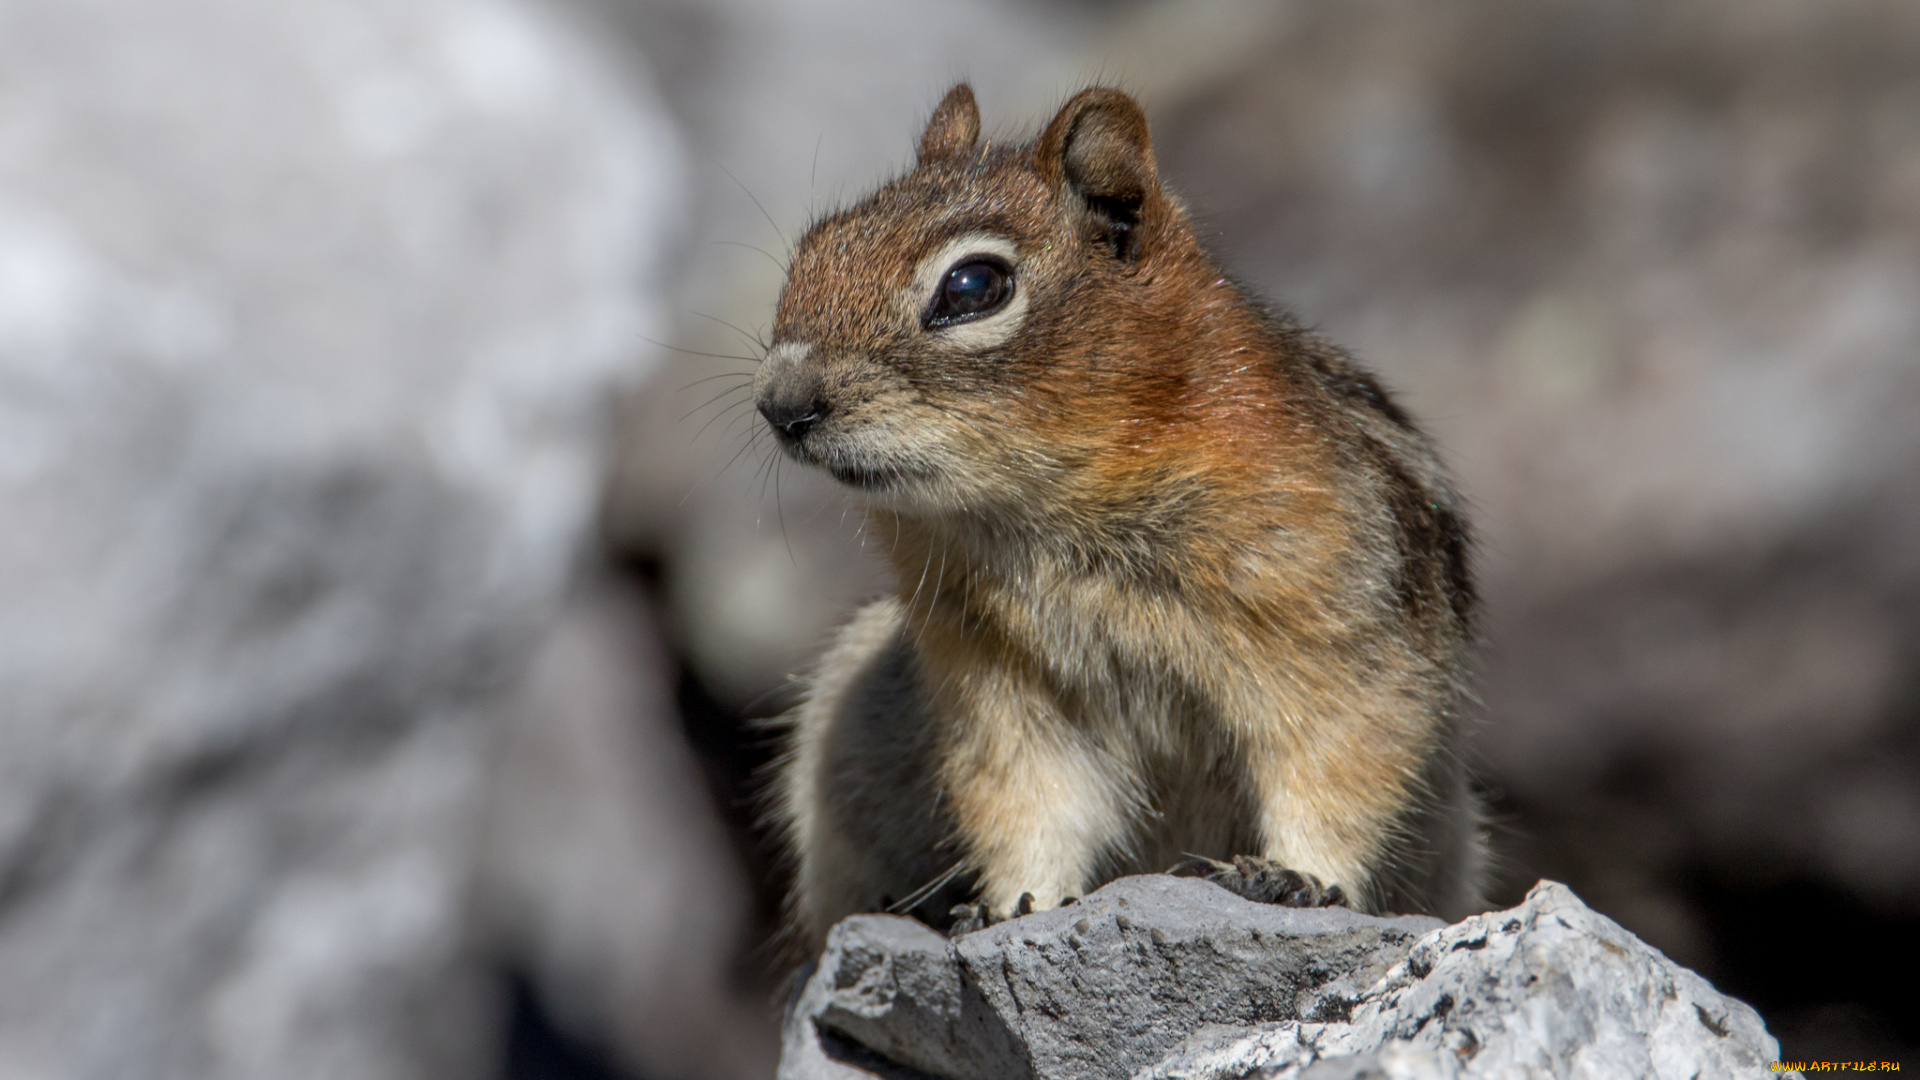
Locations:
1108 650
1148 686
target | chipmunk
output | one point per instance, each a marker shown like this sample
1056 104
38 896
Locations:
1175 578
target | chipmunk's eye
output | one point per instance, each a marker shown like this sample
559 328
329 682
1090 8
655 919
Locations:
975 286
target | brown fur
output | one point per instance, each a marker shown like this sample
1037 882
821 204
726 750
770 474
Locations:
1174 577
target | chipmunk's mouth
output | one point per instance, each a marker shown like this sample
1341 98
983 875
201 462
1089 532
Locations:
873 479
862 478
860 472
850 457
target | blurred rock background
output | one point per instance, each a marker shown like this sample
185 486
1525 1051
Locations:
385 601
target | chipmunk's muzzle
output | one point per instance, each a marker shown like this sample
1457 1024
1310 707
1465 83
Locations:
788 392
821 421
797 397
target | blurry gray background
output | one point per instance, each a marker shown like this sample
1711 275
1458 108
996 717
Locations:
384 599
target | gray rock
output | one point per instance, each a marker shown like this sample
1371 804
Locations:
1549 988
307 314
1167 979
1104 987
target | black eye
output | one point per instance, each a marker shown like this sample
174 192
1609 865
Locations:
974 286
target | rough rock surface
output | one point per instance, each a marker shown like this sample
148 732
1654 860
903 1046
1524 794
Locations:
1168 979
307 310
1103 987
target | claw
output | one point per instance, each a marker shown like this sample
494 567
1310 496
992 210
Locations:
1262 881
967 918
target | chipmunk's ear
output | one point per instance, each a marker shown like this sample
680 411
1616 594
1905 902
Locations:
954 130
1096 154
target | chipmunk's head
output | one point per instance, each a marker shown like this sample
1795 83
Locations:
965 336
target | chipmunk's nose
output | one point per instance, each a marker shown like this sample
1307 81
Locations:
790 398
791 418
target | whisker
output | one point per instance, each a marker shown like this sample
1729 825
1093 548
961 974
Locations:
703 481
723 375
722 394
748 338
771 257
733 425
718 415
721 471
914 602
817 510
916 897
756 202
766 474
938 580
780 513
697 352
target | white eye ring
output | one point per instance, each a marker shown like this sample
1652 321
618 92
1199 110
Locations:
978 331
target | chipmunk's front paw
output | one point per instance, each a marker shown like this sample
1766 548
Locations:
1263 881
966 918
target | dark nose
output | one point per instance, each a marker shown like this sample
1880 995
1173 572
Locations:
792 402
